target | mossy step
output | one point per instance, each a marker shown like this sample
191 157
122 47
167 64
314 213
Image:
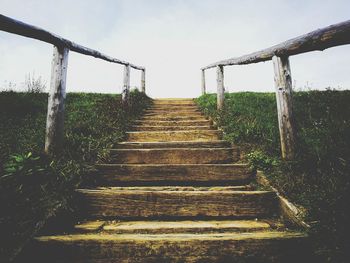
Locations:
158 202
170 128
167 227
172 174
161 136
174 156
175 144
261 246
173 122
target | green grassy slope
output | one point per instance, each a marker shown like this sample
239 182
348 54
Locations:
34 187
319 178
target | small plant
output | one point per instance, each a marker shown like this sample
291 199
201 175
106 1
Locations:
34 85
23 170
261 160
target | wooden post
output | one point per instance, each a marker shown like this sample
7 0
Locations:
143 80
220 87
126 86
57 95
203 82
283 85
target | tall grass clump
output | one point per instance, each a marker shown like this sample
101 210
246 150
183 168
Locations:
319 177
35 187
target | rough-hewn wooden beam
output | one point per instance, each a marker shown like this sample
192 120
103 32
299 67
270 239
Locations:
143 80
126 86
17 27
203 82
220 87
57 95
320 39
283 84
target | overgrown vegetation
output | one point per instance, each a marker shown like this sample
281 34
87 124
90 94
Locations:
34 187
319 178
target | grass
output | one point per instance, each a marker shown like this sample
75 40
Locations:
319 178
34 187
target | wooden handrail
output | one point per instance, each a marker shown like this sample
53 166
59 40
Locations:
318 40
20 28
57 92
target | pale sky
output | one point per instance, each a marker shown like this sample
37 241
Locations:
173 39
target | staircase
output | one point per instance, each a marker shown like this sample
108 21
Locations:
175 192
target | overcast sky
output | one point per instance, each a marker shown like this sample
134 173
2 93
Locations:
173 39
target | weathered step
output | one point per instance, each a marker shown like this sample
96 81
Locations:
175 144
174 174
172 110
161 136
170 128
174 155
257 247
177 117
167 227
173 113
173 107
167 202
174 102
173 123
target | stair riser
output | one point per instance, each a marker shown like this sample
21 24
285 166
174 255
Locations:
173 123
174 174
174 103
170 128
152 250
173 227
174 118
167 204
174 156
167 108
173 136
189 144
172 110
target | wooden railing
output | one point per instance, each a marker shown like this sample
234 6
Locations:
57 93
321 39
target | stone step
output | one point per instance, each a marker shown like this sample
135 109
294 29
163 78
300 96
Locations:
173 122
168 227
162 136
175 202
257 247
174 156
170 128
174 174
175 144
171 113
